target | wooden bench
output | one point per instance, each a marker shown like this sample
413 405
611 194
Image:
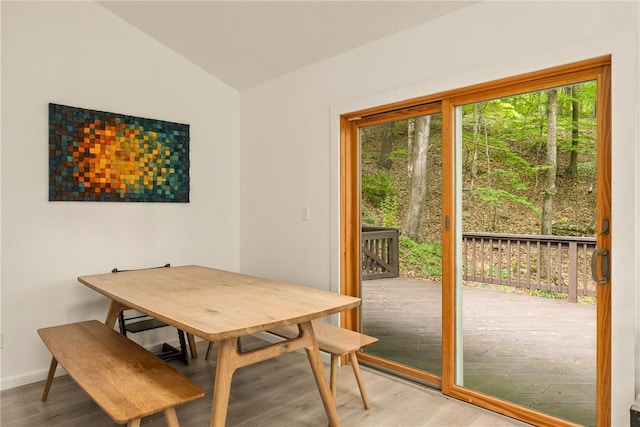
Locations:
337 342
121 377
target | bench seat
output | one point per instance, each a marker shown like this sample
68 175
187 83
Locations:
124 379
337 342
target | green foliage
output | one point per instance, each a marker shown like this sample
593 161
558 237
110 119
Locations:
400 154
583 299
370 217
420 259
588 167
377 187
545 294
497 197
504 145
509 178
504 149
587 95
499 273
389 209
395 129
385 216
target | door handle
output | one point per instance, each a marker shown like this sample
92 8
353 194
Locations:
604 266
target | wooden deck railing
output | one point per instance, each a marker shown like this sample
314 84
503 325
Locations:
380 253
546 263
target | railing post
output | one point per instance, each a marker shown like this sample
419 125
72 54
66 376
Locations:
380 251
543 255
395 253
573 272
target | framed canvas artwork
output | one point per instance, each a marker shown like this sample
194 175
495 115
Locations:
111 157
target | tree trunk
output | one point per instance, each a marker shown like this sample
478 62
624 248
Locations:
417 178
384 162
411 127
476 140
550 163
572 170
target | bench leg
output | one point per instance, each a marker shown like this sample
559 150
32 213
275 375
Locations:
171 417
333 381
47 385
356 372
134 423
313 354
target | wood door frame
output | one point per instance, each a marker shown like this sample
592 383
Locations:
598 69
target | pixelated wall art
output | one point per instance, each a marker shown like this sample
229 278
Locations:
110 157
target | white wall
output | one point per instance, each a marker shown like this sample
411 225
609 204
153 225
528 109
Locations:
290 135
80 54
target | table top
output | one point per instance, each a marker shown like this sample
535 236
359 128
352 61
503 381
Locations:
216 304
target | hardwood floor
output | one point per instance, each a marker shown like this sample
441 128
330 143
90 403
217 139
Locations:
278 392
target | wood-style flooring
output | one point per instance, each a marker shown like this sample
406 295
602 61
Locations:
279 392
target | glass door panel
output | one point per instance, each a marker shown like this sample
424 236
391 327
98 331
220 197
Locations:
525 300
401 251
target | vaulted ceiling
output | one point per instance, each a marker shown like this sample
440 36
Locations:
244 43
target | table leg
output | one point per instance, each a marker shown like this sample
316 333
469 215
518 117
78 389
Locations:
192 346
317 367
225 368
115 308
52 372
171 417
230 359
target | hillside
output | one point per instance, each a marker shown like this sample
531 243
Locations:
518 183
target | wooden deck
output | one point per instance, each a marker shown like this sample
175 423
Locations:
534 351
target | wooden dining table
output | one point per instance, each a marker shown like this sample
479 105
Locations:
223 306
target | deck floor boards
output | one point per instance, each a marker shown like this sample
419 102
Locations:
535 351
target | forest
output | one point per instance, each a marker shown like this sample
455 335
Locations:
526 165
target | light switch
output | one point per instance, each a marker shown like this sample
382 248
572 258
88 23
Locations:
305 213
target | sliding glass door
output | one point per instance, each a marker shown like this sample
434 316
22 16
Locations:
526 302
501 298
400 213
